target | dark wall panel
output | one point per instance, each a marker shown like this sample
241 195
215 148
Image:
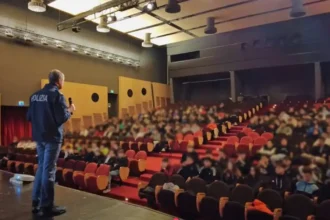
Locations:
297 41
278 82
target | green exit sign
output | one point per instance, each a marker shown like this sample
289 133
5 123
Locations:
112 91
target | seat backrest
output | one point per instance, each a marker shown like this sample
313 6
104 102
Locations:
242 194
178 180
271 198
229 149
91 168
130 154
158 179
218 189
243 148
141 155
188 136
198 134
246 140
232 140
267 135
69 164
79 166
260 141
103 169
253 135
179 136
196 185
298 205
140 139
60 162
323 210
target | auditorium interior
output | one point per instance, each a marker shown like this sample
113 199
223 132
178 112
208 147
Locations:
220 109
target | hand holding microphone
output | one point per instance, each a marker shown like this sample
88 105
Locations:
72 107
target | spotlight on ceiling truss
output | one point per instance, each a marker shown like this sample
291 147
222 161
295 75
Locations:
37 6
103 26
298 9
210 28
150 6
147 42
173 7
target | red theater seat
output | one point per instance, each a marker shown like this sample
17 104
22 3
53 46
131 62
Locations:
130 154
79 176
98 181
68 172
69 164
260 141
254 135
138 164
230 150
246 140
268 136
232 140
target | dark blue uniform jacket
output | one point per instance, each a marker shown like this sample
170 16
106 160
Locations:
47 113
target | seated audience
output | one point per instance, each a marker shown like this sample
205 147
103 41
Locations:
307 186
111 158
122 161
208 172
192 153
280 181
231 175
166 167
268 149
189 168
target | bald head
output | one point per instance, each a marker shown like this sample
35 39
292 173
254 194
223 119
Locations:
56 77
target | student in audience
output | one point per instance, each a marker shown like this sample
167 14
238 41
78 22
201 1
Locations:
253 178
241 163
98 157
122 161
321 150
222 161
192 153
166 167
189 168
89 154
111 158
280 181
306 186
265 167
207 172
231 175
281 151
284 129
268 149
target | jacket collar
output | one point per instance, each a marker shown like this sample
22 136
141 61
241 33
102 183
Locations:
51 86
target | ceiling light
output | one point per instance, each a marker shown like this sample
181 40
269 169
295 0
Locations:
110 57
37 6
298 9
44 41
210 28
87 52
173 7
99 55
150 6
74 49
103 26
28 38
147 42
58 44
9 33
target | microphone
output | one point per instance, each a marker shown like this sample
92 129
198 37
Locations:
70 103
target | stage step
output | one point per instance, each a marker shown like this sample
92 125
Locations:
216 142
126 193
132 181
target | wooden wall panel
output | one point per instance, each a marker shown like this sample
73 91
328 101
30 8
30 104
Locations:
81 95
98 119
137 99
145 106
161 93
88 121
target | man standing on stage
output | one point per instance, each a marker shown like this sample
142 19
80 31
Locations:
47 113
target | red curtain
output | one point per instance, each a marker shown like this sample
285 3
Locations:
14 123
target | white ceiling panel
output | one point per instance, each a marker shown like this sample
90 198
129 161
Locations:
155 31
195 6
135 23
243 10
75 7
283 15
171 39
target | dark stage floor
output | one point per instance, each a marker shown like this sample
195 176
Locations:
15 204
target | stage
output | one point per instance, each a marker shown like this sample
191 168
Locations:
15 204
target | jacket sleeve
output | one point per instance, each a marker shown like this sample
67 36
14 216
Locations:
61 110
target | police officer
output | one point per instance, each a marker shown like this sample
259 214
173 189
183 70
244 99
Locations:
47 113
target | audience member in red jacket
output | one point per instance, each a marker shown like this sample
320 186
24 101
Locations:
166 167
